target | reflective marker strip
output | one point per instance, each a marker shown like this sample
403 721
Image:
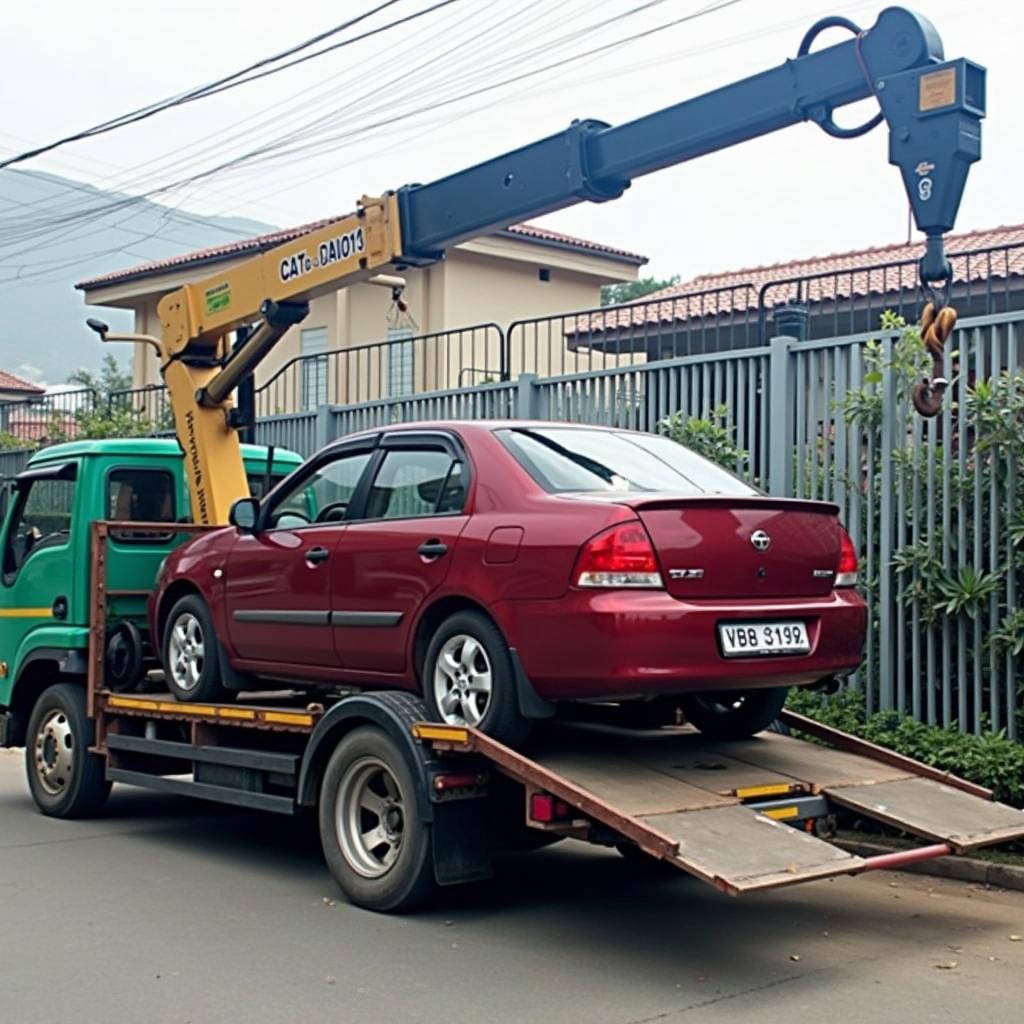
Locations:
775 789
287 717
782 813
25 613
300 718
445 733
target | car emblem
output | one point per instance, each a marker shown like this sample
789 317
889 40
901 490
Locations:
760 540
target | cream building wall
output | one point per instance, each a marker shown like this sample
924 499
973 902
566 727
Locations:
492 280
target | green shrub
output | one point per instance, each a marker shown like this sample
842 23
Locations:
989 759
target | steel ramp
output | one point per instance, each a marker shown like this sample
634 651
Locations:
934 810
740 851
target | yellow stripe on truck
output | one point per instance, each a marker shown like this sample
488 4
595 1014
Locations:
25 613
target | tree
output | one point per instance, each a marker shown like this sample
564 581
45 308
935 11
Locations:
630 291
110 378
110 412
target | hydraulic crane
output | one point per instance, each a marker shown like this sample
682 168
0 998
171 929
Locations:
933 108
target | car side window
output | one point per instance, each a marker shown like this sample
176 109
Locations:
322 496
415 482
41 519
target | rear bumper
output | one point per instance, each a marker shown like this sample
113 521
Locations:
605 644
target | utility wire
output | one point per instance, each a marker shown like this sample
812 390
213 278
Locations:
278 150
233 80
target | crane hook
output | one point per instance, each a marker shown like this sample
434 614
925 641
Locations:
938 319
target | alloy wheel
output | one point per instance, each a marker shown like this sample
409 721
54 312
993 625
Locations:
463 681
187 651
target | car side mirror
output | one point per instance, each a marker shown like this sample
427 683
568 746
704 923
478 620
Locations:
243 514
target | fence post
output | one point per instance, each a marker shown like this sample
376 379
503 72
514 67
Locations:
321 428
782 395
526 396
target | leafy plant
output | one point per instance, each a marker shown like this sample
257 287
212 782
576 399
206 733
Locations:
989 759
963 592
1010 634
710 436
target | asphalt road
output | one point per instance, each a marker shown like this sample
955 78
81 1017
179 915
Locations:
172 911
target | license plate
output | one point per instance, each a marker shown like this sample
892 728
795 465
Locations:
757 639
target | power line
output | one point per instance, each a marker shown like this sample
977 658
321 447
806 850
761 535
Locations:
233 80
290 145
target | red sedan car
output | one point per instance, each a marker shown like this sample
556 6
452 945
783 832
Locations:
499 568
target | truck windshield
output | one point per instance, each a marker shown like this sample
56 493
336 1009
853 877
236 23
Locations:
573 459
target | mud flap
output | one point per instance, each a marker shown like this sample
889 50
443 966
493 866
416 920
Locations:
461 846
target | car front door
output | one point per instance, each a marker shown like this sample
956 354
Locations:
278 578
397 549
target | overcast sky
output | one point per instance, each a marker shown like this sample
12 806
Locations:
798 193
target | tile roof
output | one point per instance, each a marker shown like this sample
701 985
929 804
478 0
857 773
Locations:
260 243
8 382
840 275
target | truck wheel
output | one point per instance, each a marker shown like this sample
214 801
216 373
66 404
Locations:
65 780
192 653
373 840
468 679
735 714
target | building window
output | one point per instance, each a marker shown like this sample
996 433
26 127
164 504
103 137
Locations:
544 274
400 362
313 346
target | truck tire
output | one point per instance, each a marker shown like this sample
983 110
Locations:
65 780
191 653
375 845
733 715
469 679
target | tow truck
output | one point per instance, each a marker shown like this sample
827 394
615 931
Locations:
405 804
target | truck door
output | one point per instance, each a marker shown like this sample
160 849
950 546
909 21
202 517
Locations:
278 579
36 585
397 550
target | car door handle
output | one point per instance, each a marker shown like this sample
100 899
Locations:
314 556
433 549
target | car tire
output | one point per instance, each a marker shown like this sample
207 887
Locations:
469 679
66 781
733 715
369 791
191 653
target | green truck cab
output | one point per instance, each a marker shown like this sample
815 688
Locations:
45 557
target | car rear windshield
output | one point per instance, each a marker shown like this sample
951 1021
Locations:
574 459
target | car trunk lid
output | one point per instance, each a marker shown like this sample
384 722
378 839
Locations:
742 547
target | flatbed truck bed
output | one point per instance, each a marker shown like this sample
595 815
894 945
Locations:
743 816
405 804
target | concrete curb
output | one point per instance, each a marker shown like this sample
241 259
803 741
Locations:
963 869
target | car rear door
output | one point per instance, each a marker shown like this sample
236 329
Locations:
398 548
278 578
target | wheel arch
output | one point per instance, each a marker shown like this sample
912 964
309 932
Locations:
394 713
430 620
39 670
531 704
175 592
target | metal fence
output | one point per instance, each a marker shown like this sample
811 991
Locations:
397 368
931 504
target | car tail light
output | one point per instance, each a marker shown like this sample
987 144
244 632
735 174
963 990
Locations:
846 571
622 556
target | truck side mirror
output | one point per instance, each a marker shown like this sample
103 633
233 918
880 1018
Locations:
244 514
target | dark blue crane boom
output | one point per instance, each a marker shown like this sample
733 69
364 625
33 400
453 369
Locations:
933 109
